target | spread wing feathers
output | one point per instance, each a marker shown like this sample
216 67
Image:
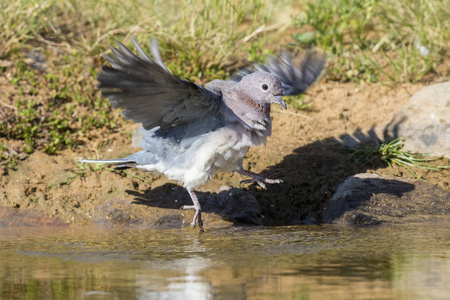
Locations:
295 79
154 48
149 93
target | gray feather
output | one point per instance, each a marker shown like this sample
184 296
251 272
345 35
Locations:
141 52
170 144
150 94
154 48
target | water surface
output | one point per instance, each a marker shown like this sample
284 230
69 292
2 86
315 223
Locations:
306 262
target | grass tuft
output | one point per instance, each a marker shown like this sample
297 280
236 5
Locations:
85 169
392 153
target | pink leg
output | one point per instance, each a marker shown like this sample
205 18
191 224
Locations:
198 211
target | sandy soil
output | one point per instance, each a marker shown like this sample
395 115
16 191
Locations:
304 152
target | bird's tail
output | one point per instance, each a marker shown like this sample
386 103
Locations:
118 163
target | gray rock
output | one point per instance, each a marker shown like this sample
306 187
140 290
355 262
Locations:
365 199
235 205
424 121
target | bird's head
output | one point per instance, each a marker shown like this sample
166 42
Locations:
263 88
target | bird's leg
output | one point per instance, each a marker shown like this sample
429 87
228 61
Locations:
258 178
198 211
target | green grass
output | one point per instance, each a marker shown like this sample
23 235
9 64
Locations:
392 153
373 40
84 170
298 102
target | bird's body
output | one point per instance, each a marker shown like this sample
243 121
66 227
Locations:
191 132
192 153
193 159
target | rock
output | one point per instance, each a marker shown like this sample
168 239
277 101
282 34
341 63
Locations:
365 199
234 205
424 121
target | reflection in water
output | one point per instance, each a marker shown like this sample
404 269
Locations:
307 262
183 282
424 277
188 285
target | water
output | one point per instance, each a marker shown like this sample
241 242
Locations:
307 262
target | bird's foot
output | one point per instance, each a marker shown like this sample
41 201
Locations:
198 211
258 178
197 216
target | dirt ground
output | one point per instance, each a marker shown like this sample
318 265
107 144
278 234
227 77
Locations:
304 152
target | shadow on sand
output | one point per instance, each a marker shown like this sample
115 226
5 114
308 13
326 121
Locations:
310 177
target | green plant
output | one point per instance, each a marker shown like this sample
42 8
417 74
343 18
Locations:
257 51
85 169
298 102
392 153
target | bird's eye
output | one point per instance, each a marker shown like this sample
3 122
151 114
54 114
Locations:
265 87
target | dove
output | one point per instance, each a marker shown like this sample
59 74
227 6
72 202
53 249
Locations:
191 131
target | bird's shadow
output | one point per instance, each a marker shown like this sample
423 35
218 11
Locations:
356 202
310 177
235 205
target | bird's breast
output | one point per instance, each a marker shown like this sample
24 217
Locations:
220 150
231 143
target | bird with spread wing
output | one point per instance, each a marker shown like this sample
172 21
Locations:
189 131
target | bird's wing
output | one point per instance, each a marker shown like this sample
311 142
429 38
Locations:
295 79
149 93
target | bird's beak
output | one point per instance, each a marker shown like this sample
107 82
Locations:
279 100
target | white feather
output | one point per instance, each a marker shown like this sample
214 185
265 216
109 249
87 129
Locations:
223 149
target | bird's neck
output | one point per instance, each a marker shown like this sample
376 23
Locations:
252 115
